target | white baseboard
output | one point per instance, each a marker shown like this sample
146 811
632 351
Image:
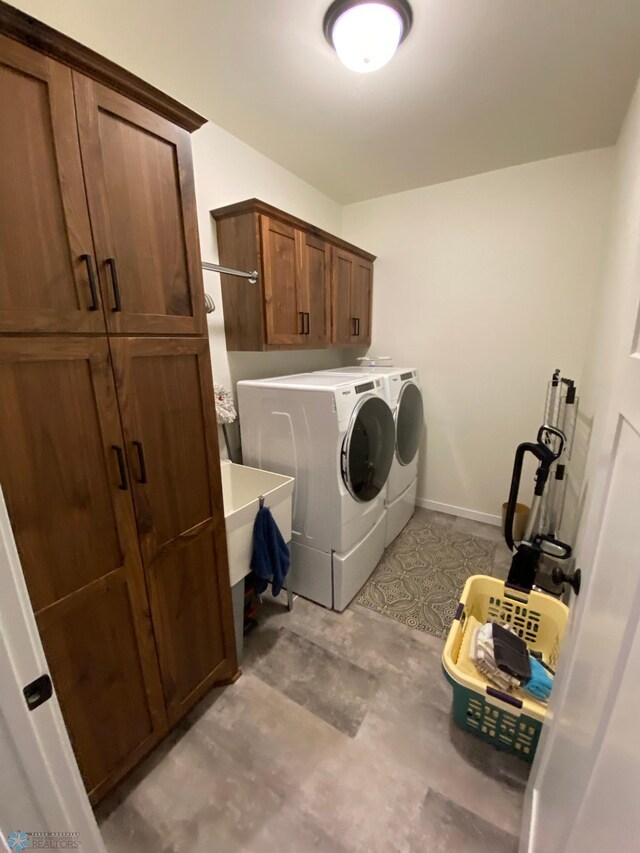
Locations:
473 514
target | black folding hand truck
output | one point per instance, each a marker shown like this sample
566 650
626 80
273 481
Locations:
552 449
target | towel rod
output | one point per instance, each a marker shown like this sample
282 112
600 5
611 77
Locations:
252 276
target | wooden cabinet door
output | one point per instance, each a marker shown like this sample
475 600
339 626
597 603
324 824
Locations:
361 293
73 521
315 265
351 293
46 250
284 299
139 182
342 273
166 402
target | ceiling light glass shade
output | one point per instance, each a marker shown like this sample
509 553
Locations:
366 35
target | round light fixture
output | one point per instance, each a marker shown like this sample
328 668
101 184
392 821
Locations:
365 34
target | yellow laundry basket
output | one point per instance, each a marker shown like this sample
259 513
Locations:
509 721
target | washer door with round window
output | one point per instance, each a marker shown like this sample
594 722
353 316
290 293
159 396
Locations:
409 423
367 452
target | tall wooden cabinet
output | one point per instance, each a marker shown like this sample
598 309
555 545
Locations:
168 414
142 206
64 478
314 289
109 461
47 268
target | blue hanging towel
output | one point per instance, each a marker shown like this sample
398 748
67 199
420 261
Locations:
270 558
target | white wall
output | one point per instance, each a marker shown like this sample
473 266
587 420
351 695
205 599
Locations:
621 273
621 276
486 284
226 170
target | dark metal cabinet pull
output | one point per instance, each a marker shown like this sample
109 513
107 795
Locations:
301 313
141 462
115 283
306 323
357 319
122 468
93 287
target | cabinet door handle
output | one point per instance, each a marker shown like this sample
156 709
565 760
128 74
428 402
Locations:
122 468
93 287
115 283
354 326
357 325
301 314
141 462
306 329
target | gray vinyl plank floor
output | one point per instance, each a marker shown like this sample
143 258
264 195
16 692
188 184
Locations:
337 737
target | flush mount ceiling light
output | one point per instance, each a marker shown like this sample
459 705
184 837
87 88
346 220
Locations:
365 35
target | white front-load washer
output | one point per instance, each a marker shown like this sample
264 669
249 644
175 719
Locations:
404 396
336 436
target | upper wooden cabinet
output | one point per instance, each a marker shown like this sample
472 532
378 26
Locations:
298 300
139 182
284 292
315 255
47 267
296 285
351 289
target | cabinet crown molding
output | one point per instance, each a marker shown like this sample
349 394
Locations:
28 30
255 205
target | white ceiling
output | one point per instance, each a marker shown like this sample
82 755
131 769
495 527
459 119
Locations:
478 84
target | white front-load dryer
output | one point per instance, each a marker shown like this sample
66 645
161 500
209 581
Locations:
404 396
336 436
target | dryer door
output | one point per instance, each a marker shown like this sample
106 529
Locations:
367 452
409 423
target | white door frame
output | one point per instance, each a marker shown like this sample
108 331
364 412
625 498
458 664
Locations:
48 795
590 529
572 656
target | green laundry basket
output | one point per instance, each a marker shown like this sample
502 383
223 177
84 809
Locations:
509 721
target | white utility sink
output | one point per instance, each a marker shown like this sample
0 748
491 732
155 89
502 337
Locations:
241 490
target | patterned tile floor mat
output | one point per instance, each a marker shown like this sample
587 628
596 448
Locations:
422 573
